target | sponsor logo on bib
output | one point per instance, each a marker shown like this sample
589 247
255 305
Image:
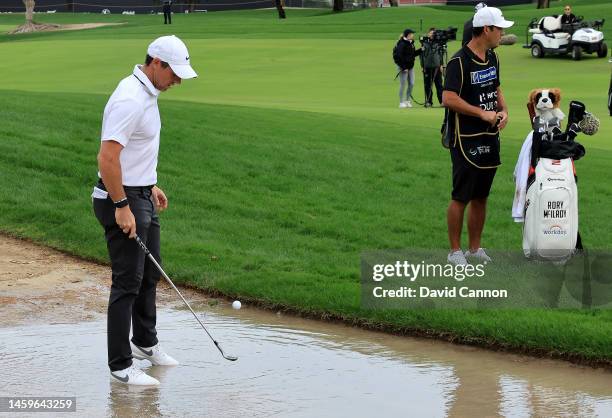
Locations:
482 76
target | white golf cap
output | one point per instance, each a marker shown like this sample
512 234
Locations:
173 51
490 16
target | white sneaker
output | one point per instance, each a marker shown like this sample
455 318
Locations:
134 376
154 354
457 258
408 103
479 254
403 105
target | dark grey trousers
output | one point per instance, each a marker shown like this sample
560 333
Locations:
134 277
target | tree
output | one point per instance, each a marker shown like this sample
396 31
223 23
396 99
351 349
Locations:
543 4
279 6
30 25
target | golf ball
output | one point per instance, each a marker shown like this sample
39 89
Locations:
236 304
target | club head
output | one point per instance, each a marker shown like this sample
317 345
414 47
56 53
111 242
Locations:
230 358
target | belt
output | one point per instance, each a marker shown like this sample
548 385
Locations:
134 188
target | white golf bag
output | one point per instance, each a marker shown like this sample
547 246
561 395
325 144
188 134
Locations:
550 229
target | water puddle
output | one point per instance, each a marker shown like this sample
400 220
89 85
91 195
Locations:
290 367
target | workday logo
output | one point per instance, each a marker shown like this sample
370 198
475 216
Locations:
555 230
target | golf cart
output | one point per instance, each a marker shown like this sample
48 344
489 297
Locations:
550 36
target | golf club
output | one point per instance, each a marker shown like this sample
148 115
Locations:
148 253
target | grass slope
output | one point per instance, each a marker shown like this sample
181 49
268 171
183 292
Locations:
286 159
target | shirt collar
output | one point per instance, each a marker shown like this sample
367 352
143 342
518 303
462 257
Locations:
144 80
475 57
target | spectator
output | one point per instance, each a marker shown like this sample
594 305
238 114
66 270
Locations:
568 16
404 55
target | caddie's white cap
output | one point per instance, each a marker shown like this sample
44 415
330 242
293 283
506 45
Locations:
490 16
173 51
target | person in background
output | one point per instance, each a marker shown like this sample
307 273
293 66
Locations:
167 12
404 56
467 26
432 68
568 16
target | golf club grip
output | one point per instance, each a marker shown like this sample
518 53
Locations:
142 245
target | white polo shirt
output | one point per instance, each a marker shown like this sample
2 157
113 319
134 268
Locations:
131 118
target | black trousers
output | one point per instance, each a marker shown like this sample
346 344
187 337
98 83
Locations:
435 75
134 277
167 17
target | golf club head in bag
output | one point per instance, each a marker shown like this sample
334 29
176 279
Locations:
579 120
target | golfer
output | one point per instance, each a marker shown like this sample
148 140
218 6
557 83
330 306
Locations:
126 200
477 112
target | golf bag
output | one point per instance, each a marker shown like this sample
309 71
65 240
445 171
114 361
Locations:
550 229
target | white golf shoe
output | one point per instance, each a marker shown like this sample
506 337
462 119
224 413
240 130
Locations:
134 376
479 255
457 258
403 105
154 354
408 103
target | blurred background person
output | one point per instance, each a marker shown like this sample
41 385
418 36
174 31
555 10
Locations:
404 55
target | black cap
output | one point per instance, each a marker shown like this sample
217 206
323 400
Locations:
408 32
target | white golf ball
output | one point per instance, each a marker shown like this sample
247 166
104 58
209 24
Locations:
236 304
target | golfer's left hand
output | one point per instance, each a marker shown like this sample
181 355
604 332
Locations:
504 119
159 198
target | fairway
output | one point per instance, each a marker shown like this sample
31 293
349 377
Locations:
288 157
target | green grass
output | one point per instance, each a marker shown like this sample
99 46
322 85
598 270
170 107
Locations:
287 158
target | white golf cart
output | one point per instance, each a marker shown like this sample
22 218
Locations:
550 36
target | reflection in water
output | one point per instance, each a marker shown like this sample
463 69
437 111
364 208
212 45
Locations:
134 401
294 367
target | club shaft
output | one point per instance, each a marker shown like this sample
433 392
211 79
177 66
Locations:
154 261
163 273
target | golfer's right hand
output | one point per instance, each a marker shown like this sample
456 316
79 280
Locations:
489 116
126 221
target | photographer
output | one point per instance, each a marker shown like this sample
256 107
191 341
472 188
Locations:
404 55
432 58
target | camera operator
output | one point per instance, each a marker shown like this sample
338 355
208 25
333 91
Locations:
432 58
404 55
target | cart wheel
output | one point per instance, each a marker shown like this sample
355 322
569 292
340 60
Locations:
576 53
537 51
603 50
